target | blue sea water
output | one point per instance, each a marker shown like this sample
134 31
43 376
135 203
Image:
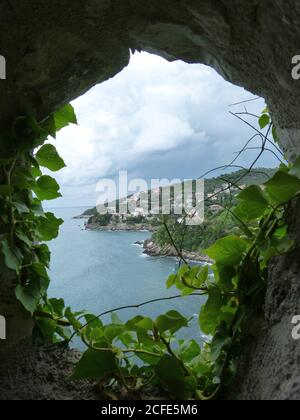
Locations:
99 271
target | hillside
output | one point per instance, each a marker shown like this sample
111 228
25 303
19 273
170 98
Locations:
257 177
218 223
216 191
220 192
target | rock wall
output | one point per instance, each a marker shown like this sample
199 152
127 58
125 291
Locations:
270 365
18 322
56 50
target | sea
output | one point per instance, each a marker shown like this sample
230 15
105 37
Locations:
100 271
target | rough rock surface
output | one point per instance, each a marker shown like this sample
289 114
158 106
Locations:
56 50
32 372
18 321
43 372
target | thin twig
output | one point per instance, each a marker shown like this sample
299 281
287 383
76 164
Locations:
121 308
180 255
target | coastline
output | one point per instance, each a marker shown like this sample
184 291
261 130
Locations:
150 248
154 250
121 227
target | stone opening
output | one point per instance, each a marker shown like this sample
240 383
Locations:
51 59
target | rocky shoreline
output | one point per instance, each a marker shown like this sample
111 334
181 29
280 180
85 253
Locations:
154 250
121 227
81 216
150 247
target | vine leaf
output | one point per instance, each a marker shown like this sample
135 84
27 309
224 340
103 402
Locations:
112 331
72 319
189 350
282 187
171 321
171 375
220 342
274 134
36 208
43 253
48 227
46 188
228 251
23 237
46 326
35 169
30 295
30 132
12 257
96 365
57 306
253 203
40 270
225 274
21 207
48 157
145 324
171 281
264 120
64 116
210 313
195 277
201 276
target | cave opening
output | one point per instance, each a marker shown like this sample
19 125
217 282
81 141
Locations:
246 50
156 120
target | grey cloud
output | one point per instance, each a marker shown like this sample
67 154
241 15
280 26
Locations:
155 119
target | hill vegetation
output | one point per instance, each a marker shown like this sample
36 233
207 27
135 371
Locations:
220 193
218 222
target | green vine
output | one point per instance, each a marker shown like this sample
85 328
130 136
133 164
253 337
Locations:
24 225
141 352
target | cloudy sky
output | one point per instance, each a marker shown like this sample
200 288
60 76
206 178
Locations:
156 120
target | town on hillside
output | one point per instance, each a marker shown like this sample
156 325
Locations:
145 208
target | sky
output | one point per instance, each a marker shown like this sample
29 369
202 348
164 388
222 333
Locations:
155 119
